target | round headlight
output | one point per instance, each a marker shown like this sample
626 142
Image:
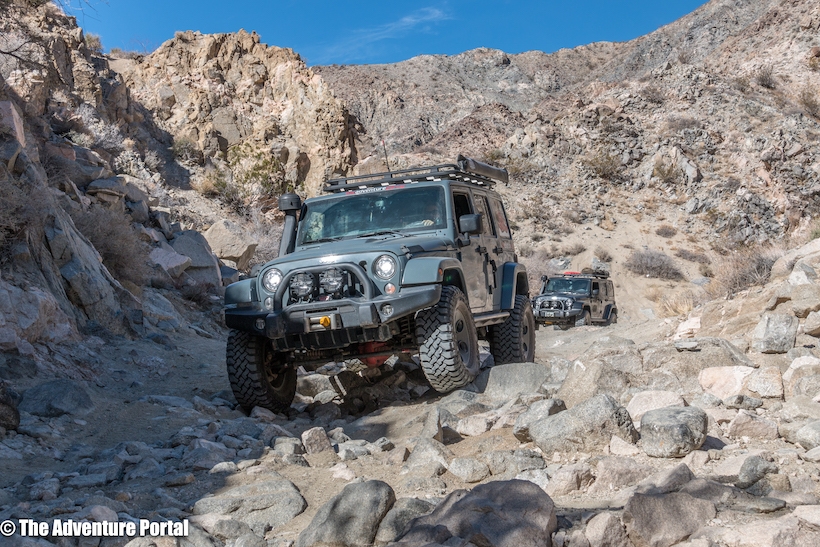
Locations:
385 266
301 284
271 279
332 280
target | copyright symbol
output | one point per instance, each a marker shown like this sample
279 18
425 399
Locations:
7 528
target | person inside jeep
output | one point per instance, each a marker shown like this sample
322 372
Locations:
429 215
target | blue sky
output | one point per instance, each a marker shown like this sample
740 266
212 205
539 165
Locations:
369 32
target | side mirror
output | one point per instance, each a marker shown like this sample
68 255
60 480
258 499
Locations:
470 224
544 278
595 292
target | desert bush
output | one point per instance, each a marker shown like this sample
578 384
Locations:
256 172
112 234
525 250
538 237
679 123
574 249
604 165
198 292
666 230
814 64
741 83
692 256
19 214
603 255
808 100
741 270
653 264
93 42
96 133
765 77
184 149
653 94
667 173
674 304
494 156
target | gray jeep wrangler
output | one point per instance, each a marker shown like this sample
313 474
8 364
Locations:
576 298
412 261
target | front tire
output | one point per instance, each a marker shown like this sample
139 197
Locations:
257 374
586 319
448 342
513 341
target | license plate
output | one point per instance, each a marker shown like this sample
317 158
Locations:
548 313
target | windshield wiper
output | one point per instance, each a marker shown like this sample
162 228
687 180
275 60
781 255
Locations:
323 240
381 233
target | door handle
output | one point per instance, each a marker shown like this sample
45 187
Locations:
480 249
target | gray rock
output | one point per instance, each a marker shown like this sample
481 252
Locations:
56 398
749 424
204 266
743 402
313 384
432 425
570 478
500 514
261 505
605 530
666 480
429 452
775 333
595 376
525 459
505 382
753 469
585 427
664 520
614 473
395 522
537 411
351 518
809 435
469 469
288 445
9 415
315 440
673 432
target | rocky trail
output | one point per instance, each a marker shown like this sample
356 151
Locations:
548 453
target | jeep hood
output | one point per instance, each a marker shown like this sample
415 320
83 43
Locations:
390 243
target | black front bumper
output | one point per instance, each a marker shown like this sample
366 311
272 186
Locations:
301 325
557 317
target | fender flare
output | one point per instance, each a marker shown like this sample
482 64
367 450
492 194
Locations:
514 283
427 270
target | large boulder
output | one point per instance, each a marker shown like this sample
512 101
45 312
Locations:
505 382
496 514
664 520
587 426
673 432
204 266
775 333
351 518
644 401
56 398
264 504
230 242
723 382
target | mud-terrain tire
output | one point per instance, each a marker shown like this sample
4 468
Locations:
513 341
585 319
448 342
257 375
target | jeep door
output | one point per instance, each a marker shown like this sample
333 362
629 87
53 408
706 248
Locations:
503 250
473 256
596 307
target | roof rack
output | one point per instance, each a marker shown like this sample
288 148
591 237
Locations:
464 170
587 272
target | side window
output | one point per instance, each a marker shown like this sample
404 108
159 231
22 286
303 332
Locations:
610 290
595 287
462 205
483 208
500 218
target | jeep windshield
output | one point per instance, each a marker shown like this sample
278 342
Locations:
373 211
569 286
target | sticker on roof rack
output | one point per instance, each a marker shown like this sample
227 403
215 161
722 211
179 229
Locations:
375 189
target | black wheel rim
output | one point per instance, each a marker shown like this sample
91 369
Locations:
463 337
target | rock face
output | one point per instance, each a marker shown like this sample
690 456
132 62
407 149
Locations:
226 91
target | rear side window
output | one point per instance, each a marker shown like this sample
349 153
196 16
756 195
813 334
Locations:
500 218
483 208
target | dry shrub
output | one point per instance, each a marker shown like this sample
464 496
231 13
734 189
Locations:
679 123
653 264
667 173
19 214
213 182
653 94
538 237
741 270
666 230
765 77
808 100
574 249
604 165
741 83
674 304
265 230
112 234
94 42
603 255
692 256
199 293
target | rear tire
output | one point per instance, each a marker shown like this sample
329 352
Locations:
513 341
257 374
448 342
613 318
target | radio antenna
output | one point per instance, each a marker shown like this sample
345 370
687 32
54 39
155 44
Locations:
386 161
